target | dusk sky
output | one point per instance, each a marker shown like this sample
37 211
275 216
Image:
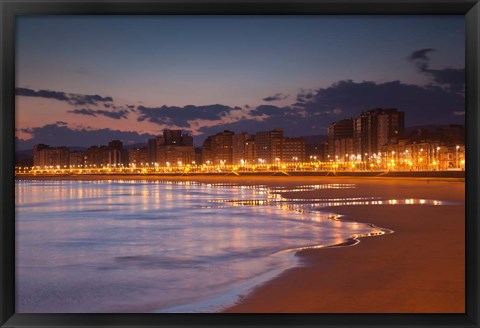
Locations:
85 80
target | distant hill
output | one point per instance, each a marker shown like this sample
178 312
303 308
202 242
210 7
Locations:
430 127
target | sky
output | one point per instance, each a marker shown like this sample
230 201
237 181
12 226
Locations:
85 80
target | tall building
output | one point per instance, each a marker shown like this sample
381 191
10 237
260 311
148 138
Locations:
268 145
340 136
250 150
173 148
272 146
154 148
97 156
293 150
115 152
218 149
243 151
38 155
375 128
76 159
46 156
172 137
138 157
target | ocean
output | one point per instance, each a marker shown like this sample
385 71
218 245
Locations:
129 246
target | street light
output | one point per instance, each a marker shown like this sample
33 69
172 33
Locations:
456 156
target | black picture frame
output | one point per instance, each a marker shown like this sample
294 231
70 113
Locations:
10 9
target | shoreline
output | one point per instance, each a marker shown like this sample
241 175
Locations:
420 268
248 179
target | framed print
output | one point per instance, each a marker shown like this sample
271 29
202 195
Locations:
239 164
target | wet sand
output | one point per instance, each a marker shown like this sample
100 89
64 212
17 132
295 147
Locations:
420 268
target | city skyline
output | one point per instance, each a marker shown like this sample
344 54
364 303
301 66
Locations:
129 78
375 140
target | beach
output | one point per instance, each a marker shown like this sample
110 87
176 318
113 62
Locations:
420 268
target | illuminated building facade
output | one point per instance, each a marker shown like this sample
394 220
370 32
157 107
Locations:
268 146
218 149
138 156
243 148
375 128
293 150
173 147
46 156
340 139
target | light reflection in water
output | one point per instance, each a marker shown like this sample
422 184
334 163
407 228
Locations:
141 246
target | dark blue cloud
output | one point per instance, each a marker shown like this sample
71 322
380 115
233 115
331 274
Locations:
276 97
41 94
71 98
271 110
420 54
61 135
123 113
422 104
451 78
180 116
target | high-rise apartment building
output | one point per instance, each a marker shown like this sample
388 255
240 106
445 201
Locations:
268 145
375 128
218 149
340 138
46 156
115 152
138 157
293 150
173 148
242 148
272 147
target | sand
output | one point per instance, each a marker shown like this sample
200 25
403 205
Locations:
420 268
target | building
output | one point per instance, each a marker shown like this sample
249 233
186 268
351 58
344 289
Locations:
218 149
97 156
268 146
115 153
45 156
375 128
173 148
293 150
340 139
76 159
272 147
138 157
172 137
241 148
39 155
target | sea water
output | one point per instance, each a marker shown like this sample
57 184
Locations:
150 246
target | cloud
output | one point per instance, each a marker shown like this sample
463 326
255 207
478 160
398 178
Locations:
420 54
453 78
180 116
304 95
344 99
310 114
123 113
71 98
271 110
450 78
61 135
80 100
276 97
41 93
